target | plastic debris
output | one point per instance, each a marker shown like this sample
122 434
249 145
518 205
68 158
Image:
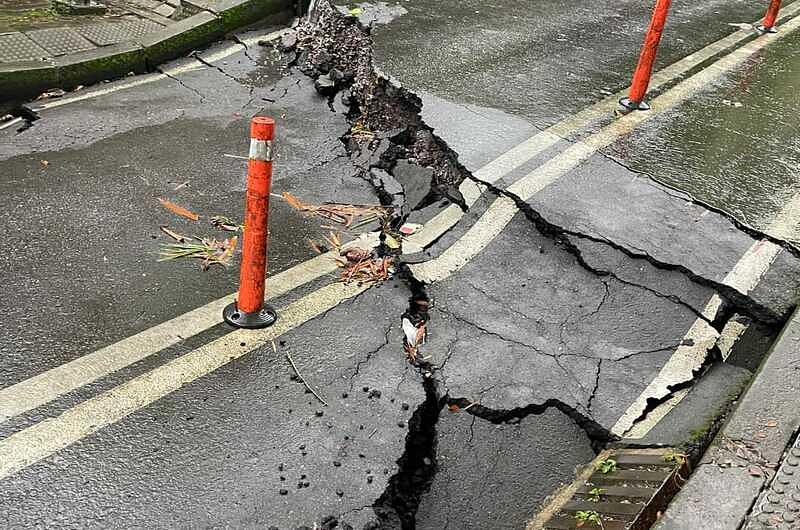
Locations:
410 228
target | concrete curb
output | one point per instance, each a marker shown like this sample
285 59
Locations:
213 19
738 464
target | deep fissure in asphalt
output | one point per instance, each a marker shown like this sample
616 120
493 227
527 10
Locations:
386 128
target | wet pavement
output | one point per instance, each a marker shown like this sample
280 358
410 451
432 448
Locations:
735 146
543 62
537 346
86 224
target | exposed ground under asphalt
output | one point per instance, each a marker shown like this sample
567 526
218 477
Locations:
464 407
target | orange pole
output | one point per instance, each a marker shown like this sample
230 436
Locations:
249 310
768 26
644 69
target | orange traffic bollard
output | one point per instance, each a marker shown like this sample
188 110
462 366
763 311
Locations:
249 311
641 76
768 25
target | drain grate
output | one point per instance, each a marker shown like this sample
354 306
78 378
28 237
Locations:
622 489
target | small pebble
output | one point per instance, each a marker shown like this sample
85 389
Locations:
302 447
405 406
344 395
365 389
336 463
340 493
369 479
283 478
302 477
401 424
375 393
280 467
283 492
319 413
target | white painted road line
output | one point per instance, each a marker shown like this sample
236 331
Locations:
502 210
701 337
748 272
168 72
41 440
47 386
41 389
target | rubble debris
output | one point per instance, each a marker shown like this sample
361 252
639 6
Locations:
51 94
366 270
178 210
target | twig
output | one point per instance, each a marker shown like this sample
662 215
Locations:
304 381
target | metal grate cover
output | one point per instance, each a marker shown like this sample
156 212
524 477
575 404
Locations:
626 497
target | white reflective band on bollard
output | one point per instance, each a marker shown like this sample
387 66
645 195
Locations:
261 150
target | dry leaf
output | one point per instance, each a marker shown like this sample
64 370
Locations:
391 242
174 235
453 407
771 423
178 210
755 471
45 163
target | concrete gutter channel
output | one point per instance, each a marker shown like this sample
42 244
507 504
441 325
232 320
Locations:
411 166
212 20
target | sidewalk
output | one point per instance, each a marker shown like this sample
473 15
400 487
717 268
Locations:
136 36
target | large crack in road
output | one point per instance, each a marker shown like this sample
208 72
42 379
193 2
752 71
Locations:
386 130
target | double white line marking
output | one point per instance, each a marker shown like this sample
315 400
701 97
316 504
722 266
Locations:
40 440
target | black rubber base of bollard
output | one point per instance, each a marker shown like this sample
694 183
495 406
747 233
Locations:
762 29
630 105
239 319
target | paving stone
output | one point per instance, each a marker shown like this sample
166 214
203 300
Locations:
16 47
779 500
107 33
165 10
60 41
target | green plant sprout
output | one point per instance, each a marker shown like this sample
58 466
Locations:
607 466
